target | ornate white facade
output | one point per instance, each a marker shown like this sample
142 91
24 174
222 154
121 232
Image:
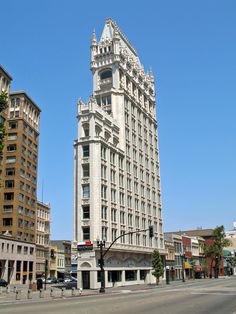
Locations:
117 175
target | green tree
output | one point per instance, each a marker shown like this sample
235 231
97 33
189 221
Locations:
214 251
157 265
3 106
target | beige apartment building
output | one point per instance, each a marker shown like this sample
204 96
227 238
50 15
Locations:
42 239
18 191
117 170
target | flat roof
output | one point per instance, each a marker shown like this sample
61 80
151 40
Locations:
5 72
22 92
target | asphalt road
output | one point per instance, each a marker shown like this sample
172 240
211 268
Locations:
211 296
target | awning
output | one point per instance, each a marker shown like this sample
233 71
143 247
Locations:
187 265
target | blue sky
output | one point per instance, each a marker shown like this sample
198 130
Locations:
191 47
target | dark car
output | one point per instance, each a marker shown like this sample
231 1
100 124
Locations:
3 283
59 280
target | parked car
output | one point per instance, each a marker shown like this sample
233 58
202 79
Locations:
59 280
68 279
3 283
51 280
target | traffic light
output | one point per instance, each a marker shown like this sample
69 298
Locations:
52 254
151 234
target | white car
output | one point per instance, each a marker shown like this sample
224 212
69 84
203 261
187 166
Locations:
68 280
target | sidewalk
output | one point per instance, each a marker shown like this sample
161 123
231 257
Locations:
21 293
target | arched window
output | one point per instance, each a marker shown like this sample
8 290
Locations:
106 74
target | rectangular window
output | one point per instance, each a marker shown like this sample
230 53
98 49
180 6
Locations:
113 214
85 150
86 233
103 152
122 217
21 197
7 221
8 196
23 138
11 159
13 125
86 191
8 208
86 212
121 162
12 136
19 250
104 212
9 184
113 195
113 234
85 168
103 172
104 233
103 192
122 239
10 171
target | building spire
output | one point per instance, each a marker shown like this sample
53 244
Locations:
94 39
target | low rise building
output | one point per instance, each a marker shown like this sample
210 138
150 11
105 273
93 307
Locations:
170 259
178 251
42 239
60 261
17 261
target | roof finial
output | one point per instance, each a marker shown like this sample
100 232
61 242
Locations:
151 74
94 38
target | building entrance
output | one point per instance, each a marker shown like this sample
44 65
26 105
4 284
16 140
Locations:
86 279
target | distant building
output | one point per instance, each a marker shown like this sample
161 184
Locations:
170 259
60 262
178 253
42 239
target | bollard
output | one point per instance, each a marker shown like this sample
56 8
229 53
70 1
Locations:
62 292
29 295
80 291
51 292
17 295
0 290
41 293
73 291
8 289
14 289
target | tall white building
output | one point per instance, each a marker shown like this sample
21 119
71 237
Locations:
117 171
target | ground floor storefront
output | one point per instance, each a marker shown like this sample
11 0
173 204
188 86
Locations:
121 269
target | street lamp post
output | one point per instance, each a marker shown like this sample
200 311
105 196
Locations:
101 245
183 258
46 273
167 275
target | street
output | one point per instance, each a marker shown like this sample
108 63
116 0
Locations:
216 296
